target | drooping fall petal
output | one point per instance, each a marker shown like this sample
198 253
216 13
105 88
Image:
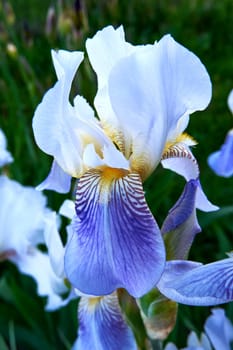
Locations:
102 325
192 283
116 241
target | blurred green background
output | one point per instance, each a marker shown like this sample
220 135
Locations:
26 38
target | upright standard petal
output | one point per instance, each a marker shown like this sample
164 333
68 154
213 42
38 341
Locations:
116 241
102 325
154 88
54 123
191 283
105 49
221 162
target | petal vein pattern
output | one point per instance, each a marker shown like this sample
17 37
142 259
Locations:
102 325
209 284
116 241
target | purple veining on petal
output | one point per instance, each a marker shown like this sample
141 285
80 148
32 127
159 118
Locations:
116 241
209 284
102 325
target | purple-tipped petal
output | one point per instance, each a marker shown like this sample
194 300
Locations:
57 180
181 225
116 241
221 162
102 326
187 283
219 329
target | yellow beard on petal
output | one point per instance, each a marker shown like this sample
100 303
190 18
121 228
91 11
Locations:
182 138
93 302
108 176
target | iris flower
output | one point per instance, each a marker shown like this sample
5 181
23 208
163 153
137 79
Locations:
221 161
144 98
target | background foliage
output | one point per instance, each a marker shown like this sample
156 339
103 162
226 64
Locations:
203 26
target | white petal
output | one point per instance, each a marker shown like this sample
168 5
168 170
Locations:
151 89
66 63
21 215
57 180
180 159
67 209
5 156
54 244
106 48
37 265
111 157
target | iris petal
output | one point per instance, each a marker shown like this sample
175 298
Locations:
5 156
230 101
192 284
219 329
221 162
102 326
181 225
180 159
154 88
116 241
57 180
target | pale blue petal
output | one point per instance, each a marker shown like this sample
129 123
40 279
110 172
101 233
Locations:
219 330
181 225
230 101
102 326
170 346
195 344
202 201
202 285
221 162
57 180
116 241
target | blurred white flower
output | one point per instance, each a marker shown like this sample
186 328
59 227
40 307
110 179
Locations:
5 156
25 223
